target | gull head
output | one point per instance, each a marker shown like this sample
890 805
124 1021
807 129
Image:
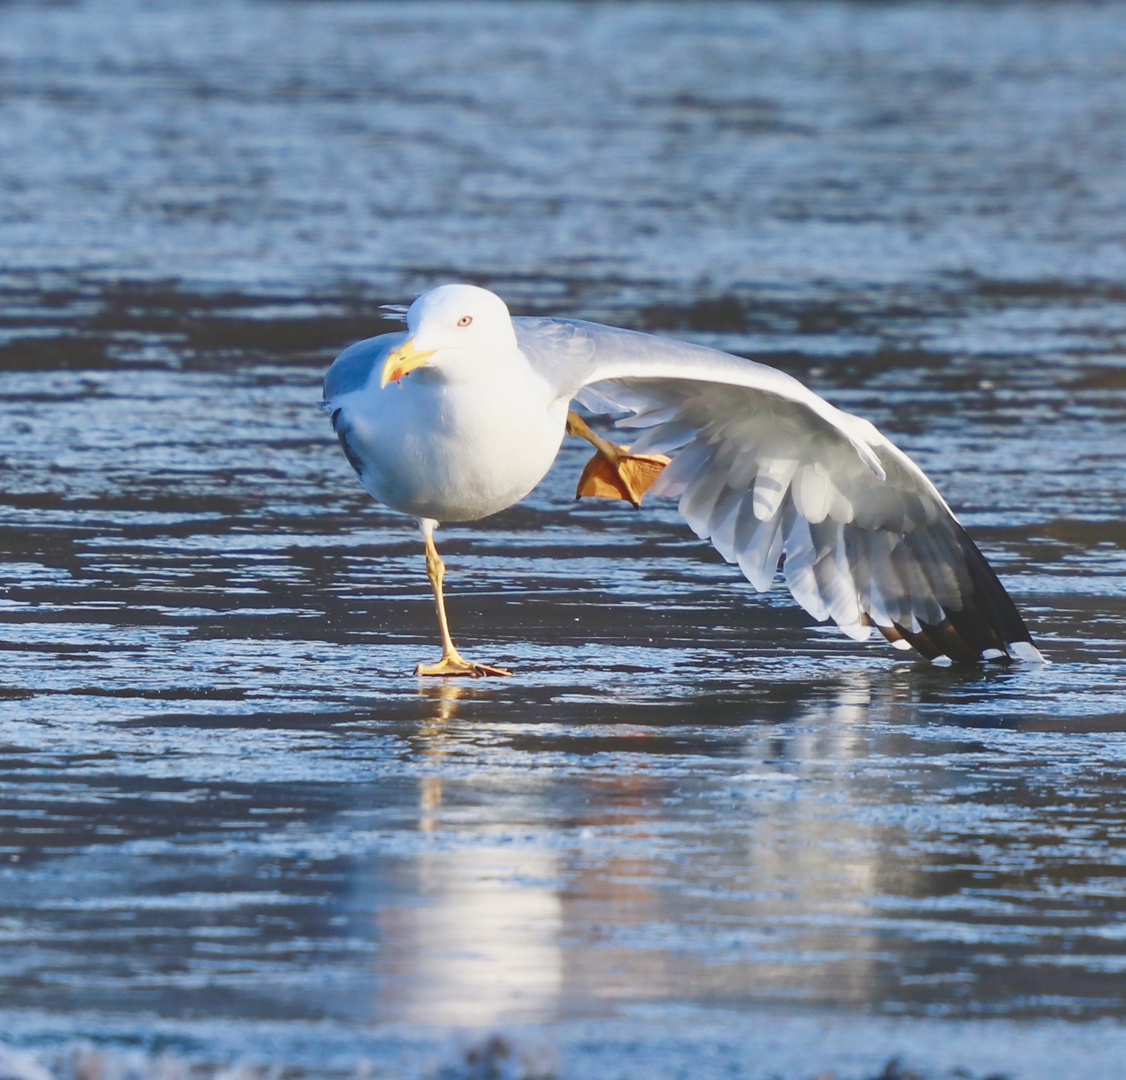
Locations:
455 329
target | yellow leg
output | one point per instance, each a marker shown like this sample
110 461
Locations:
613 472
452 662
576 425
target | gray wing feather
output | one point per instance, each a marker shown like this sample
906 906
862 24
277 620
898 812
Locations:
561 350
354 367
774 475
351 372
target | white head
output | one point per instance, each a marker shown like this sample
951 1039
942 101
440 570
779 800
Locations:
458 317
456 329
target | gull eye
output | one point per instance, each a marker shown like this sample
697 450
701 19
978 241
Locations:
465 320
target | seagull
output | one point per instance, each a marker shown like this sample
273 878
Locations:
462 414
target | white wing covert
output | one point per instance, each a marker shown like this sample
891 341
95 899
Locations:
775 477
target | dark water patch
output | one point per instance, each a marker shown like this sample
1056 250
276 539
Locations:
142 325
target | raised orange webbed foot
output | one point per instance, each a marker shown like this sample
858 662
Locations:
628 477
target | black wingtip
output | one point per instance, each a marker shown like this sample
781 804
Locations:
987 627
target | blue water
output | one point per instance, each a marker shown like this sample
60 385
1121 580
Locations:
696 834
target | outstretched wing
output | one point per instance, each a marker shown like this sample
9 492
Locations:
775 475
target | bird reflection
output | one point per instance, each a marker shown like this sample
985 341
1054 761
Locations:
510 873
443 698
485 944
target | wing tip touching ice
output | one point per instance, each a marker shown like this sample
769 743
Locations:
985 626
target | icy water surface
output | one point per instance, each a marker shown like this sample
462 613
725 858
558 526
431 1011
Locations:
695 835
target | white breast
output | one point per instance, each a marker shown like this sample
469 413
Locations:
454 452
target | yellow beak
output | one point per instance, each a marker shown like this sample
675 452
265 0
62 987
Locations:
402 360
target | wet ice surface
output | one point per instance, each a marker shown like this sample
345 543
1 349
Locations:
695 833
